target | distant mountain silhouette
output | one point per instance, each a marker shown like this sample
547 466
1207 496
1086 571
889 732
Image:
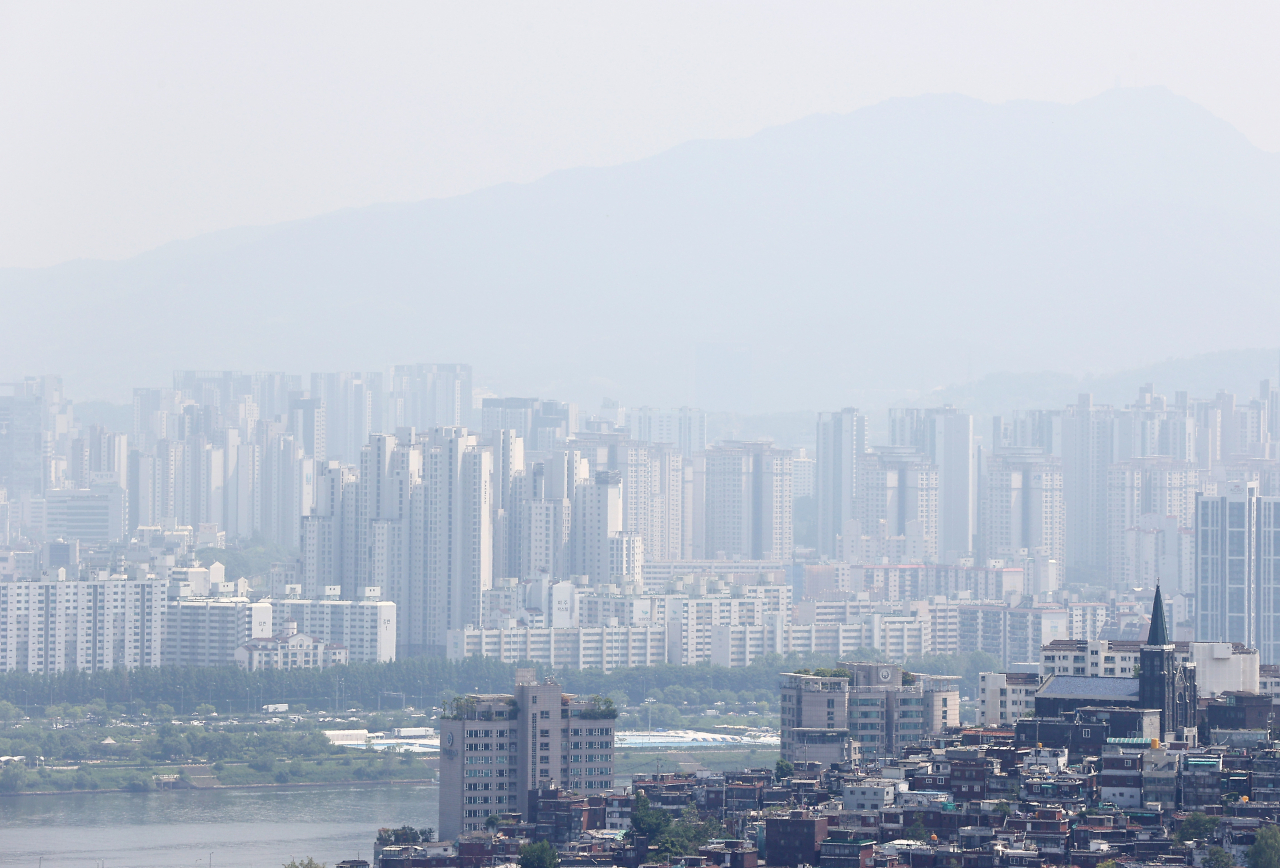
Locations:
867 258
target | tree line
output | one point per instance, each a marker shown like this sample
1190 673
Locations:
422 682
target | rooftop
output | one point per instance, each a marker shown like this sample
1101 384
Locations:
1086 687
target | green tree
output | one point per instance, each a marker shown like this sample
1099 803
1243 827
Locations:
783 769
917 832
13 778
647 820
1110 863
204 709
9 712
303 863
539 855
1197 826
686 834
1265 852
1217 858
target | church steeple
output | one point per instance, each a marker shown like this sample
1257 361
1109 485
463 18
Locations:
1159 633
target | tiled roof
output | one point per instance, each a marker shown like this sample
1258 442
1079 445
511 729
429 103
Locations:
1085 687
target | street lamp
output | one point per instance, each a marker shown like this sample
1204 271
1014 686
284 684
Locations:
649 705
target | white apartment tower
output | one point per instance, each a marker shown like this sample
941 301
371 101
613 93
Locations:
685 428
748 501
1088 435
1149 502
1022 506
842 441
452 538
426 396
899 486
944 436
597 518
1226 577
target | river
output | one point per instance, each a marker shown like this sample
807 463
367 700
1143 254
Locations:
241 828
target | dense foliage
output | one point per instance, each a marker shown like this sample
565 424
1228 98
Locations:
425 682
1265 852
251 558
673 836
539 855
417 681
1197 826
405 835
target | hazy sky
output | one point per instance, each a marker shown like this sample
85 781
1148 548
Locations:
126 125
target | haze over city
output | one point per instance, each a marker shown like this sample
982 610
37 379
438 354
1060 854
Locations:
857 425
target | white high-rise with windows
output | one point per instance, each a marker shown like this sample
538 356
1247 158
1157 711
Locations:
1150 502
597 518
944 436
842 444
1226 566
451 550
899 487
749 501
684 428
1022 506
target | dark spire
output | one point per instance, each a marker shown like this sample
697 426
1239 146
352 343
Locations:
1159 633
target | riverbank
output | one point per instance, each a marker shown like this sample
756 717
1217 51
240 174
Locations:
265 772
428 782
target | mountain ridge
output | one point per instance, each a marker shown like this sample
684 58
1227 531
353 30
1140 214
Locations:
818 263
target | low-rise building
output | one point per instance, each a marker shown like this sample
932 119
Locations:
366 628
290 649
1003 697
871 793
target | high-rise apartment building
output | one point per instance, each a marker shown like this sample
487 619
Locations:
944 436
354 407
684 428
543 425
451 550
53 625
1267 569
1149 500
1022 507
748 501
426 396
1226 565
207 631
309 426
327 536
597 517
899 486
841 444
366 628
1088 435
1153 427
497 748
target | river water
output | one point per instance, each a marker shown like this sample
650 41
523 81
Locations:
241 828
